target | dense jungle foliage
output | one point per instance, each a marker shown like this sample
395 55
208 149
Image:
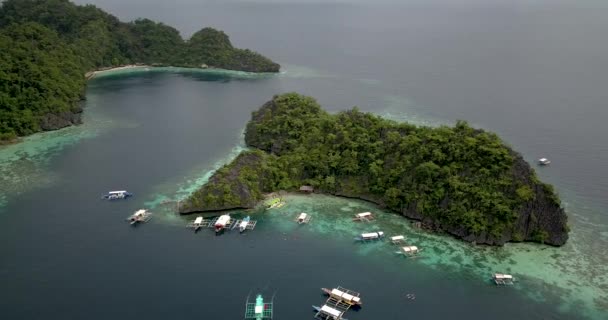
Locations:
453 176
46 47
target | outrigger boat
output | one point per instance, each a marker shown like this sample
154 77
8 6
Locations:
342 294
397 239
303 218
326 312
409 250
370 236
221 223
113 195
543 161
243 224
364 216
258 310
197 223
141 215
503 279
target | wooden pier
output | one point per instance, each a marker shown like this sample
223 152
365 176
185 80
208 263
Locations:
339 301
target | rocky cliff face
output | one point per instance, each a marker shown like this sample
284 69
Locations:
55 121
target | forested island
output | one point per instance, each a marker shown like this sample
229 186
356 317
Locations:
459 180
47 46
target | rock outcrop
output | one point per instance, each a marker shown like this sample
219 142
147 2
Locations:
461 181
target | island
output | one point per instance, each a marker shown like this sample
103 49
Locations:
459 180
49 45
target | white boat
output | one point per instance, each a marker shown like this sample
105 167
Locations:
141 215
243 225
221 222
503 279
409 250
543 161
113 195
363 216
329 312
303 218
370 236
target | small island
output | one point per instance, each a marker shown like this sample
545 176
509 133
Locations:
49 45
459 180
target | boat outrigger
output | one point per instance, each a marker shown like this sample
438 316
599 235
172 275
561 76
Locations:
370 236
222 222
326 313
503 279
141 215
246 224
397 239
198 223
303 218
364 217
342 294
113 195
409 250
259 310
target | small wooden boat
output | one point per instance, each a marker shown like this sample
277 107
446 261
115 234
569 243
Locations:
222 222
303 218
114 195
370 236
543 161
503 279
327 312
397 239
364 216
409 250
342 294
141 215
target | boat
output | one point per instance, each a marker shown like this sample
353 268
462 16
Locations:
244 223
259 310
222 222
503 279
342 294
197 224
274 203
370 236
113 195
409 250
141 215
543 161
328 312
303 218
363 216
397 239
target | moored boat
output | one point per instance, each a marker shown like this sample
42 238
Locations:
113 195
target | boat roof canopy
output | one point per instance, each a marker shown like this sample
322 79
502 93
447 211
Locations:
117 192
503 276
370 235
364 214
397 238
198 220
259 309
543 159
330 310
302 215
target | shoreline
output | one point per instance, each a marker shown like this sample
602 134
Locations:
91 74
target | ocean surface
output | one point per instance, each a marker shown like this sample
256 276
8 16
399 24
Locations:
535 72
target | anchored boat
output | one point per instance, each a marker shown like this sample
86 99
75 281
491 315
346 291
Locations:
370 236
503 279
259 310
364 217
141 215
409 250
303 218
326 312
342 294
221 223
543 161
113 195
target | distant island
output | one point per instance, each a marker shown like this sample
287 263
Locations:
47 47
459 180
